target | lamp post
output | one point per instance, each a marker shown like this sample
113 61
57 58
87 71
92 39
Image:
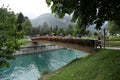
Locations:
104 30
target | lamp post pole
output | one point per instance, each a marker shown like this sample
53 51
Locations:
104 37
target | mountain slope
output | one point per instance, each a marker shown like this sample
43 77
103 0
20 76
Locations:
51 20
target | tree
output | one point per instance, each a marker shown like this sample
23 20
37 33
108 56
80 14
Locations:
35 30
88 11
27 26
69 30
45 28
19 21
8 36
20 18
95 34
78 30
87 33
40 29
114 27
61 32
55 29
51 30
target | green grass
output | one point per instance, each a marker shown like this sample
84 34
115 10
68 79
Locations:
113 44
87 37
23 41
114 38
103 65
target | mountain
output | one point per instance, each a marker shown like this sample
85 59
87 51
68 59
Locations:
51 20
63 23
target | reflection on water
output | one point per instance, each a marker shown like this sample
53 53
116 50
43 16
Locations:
29 67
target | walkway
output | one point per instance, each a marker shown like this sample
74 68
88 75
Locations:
114 48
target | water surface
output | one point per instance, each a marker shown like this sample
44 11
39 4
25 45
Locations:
31 66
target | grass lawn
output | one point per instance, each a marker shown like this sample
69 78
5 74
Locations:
103 65
23 41
114 38
113 44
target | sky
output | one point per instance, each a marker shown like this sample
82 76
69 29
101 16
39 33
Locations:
30 8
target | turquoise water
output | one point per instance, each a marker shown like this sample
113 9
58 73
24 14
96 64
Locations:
31 66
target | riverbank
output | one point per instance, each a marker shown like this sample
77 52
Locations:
102 65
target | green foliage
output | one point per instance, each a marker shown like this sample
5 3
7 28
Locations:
20 18
61 32
8 36
34 31
24 24
77 30
45 28
103 65
42 30
23 41
87 33
80 30
114 27
69 30
95 34
19 21
27 26
89 11
55 30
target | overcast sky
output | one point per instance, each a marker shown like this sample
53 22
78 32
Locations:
30 8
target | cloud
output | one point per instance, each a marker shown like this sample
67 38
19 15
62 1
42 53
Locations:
30 8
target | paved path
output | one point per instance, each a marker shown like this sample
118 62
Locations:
114 48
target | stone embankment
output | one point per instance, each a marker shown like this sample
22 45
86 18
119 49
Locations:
35 48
